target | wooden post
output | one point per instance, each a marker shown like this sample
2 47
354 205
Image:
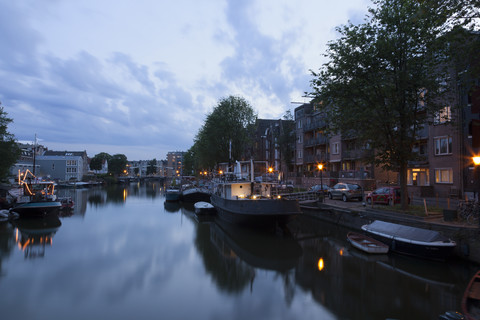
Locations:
425 205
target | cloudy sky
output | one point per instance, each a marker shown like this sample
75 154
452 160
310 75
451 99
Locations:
139 77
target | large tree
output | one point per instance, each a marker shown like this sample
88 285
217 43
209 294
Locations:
385 77
152 167
117 164
9 150
226 134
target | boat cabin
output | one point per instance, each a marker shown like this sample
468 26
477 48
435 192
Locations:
244 190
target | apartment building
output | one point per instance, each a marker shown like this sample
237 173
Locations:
63 165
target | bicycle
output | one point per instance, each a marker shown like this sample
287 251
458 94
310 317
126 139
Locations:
469 211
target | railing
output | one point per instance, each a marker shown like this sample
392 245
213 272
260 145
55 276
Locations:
301 196
316 141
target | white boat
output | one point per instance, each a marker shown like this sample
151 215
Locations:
195 194
367 244
203 207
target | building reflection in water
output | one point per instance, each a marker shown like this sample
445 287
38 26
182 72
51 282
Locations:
32 236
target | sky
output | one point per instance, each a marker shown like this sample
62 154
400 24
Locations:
140 77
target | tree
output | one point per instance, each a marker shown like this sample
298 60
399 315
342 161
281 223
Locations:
9 150
152 167
117 164
229 127
384 78
97 161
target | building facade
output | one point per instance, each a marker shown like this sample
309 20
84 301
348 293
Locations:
63 165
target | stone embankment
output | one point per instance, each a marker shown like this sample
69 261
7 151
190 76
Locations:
353 215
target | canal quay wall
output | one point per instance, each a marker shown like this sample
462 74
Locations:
467 237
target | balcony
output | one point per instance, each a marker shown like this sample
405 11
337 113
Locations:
319 124
322 140
323 157
356 154
422 132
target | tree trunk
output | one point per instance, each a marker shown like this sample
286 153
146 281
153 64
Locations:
403 186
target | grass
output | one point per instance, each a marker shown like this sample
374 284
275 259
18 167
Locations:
415 210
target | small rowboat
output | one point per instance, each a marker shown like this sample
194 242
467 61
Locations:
471 298
203 207
366 244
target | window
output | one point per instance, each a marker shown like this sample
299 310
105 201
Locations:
299 154
336 149
444 175
443 145
443 116
299 124
418 177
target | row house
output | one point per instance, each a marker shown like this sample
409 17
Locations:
63 165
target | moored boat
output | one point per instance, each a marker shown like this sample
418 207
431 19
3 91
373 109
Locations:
471 298
172 194
414 241
36 198
367 244
252 203
195 194
203 207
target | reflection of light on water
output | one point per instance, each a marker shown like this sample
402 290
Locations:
321 264
124 195
33 246
341 252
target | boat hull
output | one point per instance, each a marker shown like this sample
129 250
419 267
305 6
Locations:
259 212
396 237
471 298
195 195
37 209
367 244
172 195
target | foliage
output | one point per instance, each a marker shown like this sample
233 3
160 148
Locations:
97 161
117 164
9 150
189 162
231 123
384 77
152 167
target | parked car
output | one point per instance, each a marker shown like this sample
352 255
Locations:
385 195
346 192
318 188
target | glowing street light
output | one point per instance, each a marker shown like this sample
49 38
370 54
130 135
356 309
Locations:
320 167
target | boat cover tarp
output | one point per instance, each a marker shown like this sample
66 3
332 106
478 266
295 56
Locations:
406 232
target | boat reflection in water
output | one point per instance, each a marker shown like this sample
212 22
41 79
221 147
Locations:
257 248
33 235
171 206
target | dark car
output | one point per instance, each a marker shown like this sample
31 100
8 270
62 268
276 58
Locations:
318 188
346 192
385 195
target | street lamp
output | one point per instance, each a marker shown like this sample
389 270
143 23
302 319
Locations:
320 167
476 162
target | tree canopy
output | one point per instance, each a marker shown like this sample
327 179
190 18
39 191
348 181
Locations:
97 161
9 150
117 164
384 77
229 125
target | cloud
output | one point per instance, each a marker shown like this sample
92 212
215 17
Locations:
144 75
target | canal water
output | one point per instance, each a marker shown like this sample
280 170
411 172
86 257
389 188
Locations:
124 253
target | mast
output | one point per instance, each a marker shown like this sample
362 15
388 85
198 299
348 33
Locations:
34 153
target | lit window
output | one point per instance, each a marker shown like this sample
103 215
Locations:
444 175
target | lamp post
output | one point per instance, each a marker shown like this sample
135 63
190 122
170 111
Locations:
320 167
476 163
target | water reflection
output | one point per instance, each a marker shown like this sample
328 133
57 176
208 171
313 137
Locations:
33 235
375 287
